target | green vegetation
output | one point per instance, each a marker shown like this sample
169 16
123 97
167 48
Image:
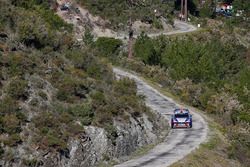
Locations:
53 87
205 72
38 26
242 5
108 46
31 162
17 89
118 12
200 63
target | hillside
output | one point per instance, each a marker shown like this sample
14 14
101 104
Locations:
61 104
120 13
59 101
208 69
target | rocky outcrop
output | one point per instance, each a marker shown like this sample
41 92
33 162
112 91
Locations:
96 145
131 135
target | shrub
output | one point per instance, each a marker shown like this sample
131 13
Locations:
157 24
11 124
69 89
8 105
17 64
102 116
98 98
44 9
88 38
17 89
55 142
144 49
108 47
13 140
240 145
31 162
124 87
63 95
207 10
84 113
43 95
49 131
112 133
242 116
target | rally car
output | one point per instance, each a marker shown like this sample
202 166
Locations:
181 118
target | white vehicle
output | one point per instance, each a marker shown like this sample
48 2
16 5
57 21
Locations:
181 118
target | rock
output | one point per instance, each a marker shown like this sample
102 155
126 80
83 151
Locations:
95 146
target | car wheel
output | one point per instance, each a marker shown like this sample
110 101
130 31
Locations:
172 125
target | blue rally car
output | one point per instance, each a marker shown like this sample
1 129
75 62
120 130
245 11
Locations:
181 118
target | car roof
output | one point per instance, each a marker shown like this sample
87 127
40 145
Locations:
181 111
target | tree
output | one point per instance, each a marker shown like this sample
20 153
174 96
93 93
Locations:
144 48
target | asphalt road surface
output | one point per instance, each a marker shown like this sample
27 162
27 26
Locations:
180 27
179 142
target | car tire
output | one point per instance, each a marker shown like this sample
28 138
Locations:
172 125
191 124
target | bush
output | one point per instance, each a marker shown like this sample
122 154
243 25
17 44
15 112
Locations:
63 95
108 47
207 10
49 131
124 87
11 124
17 89
71 89
88 38
43 8
31 162
56 142
157 24
144 49
13 140
8 106
240 145
241 117
112 133
83 113
18 64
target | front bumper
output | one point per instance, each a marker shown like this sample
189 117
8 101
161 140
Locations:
181 124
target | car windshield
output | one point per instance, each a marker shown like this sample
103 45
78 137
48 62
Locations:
182 115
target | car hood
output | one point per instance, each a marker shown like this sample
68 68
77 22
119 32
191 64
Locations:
181 119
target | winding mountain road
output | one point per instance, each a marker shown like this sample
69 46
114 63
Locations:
180 27
83 18
179 142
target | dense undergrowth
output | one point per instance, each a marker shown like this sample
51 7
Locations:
50 87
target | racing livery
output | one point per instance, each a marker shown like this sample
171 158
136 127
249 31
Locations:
181 118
